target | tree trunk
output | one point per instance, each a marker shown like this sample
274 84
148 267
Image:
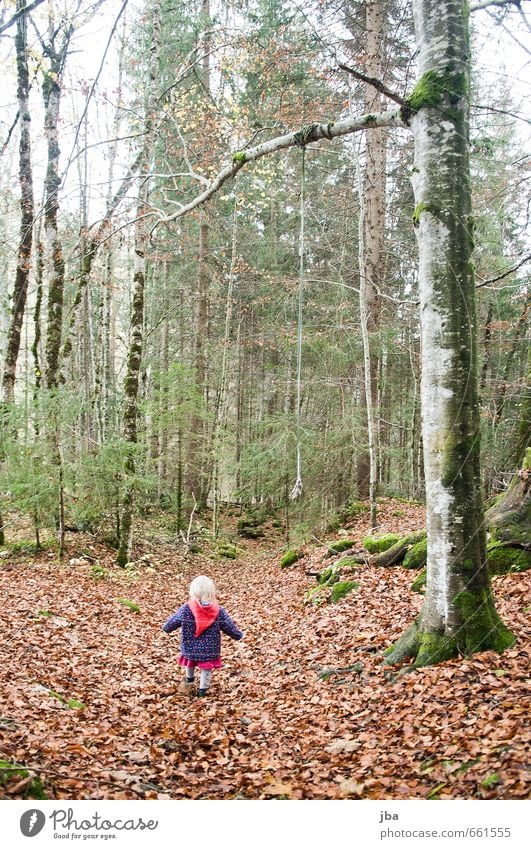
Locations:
26 208
197 473
26 223
373 231
509 520
134 359
458 615
56 269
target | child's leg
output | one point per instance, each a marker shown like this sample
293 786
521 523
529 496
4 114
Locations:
204 681
189 673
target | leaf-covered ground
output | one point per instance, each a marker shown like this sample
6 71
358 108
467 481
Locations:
91 703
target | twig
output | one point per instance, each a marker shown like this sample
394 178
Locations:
505 274
375 83
25 11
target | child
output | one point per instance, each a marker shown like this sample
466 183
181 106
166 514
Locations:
202 621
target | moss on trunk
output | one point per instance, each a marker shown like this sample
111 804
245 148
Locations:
509 519
504 559
481 629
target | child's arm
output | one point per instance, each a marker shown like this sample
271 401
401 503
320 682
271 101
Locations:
173 622
227 625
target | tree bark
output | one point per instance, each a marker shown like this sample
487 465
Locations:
458 615
51 90
134 359
373 234
197 473
26 208
26 224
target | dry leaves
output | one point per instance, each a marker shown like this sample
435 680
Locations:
271 727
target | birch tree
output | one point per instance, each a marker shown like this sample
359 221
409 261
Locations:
26 208
141 239
459 613
22 273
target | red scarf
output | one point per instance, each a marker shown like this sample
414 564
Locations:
204 615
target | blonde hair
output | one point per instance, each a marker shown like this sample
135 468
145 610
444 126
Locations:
203 589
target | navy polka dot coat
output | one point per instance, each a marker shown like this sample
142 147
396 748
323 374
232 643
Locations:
208 645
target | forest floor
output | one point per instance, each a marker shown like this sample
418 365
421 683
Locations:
91 703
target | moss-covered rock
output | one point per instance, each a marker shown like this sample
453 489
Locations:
375 545
340 545
503 559
397 551
420 582
329 576
289 558
348 563
227 550
416 556
342 589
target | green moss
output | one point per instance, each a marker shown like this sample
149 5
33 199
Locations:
316 595
342 589
230 552
340 545
369 120
9 771
425 648
289 558
417 555
375 545
419 209
505 559
329 576
239 156
433 86
434 648
420 582
511 530
424 207
132 605
482 628
348 563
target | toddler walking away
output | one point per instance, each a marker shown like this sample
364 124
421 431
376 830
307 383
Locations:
201 621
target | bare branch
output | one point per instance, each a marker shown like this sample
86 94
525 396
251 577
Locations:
25 11
304 136
10 133
484 4
94 84
505 274
375 83
500 112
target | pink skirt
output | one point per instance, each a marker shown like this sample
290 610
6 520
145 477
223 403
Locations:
202 664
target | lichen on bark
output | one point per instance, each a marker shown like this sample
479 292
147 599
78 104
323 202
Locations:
458 615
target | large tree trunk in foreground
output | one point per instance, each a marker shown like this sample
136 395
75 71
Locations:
458 615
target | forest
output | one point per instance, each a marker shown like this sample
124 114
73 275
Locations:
264 318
